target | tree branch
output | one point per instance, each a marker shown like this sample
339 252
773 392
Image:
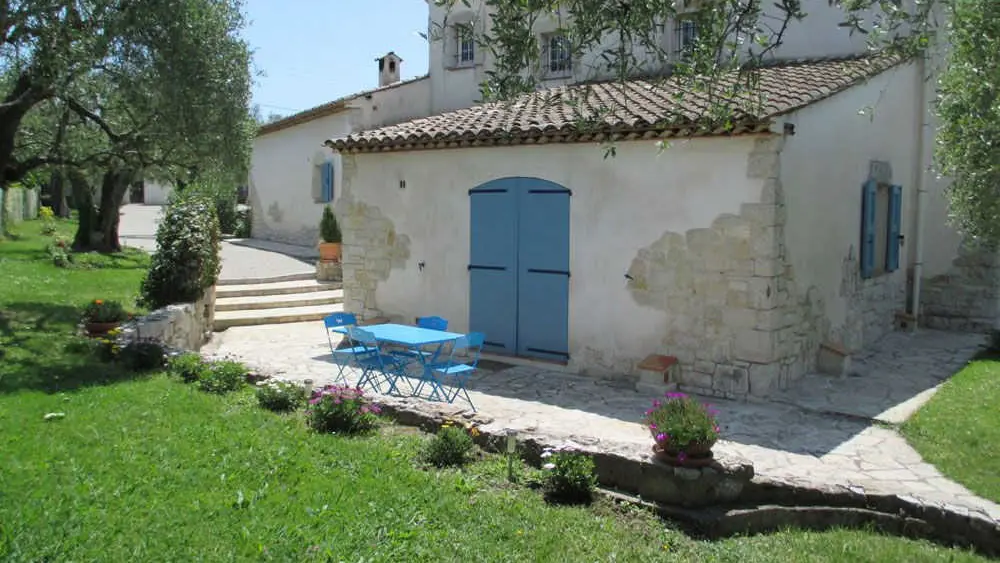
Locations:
85 113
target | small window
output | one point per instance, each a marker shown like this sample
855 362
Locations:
881 210
686 35
392 66
560 55
323 183
466 44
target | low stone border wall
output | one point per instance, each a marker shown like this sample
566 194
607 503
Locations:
185 326
735 501
727 498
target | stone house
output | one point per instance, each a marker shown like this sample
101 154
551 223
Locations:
739 251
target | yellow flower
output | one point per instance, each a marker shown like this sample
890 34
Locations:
474 431
98 302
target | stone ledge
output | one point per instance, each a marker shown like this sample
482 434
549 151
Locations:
185 326
723 522
949 523
730 493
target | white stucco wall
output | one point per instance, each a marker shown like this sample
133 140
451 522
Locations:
619 206
823 167
284 163
156 193
283 169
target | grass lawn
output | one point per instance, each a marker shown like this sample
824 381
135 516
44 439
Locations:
149 469
958 430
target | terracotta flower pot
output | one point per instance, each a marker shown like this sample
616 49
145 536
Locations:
329 251
694 454
100 329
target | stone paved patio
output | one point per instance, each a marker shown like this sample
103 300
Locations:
818 435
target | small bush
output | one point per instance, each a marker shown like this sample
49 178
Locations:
280 396
143 355
223 377
186 262
101 311
59 251
189 367
452 446
244 223
48 218
569 476
328 227
338 408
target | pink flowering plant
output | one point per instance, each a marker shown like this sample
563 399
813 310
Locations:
679 423
341 409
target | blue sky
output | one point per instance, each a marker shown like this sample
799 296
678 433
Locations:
314 51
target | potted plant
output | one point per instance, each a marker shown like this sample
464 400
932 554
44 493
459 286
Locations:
684 430
329 248
100 317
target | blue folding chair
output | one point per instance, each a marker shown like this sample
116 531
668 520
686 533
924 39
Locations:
342 357
433 323
471 346
375 366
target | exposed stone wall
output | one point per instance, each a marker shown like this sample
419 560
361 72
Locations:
734 317
185 326
872 305
372 248
967 297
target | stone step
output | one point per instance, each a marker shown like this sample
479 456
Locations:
273 279
274 288
253 317
282 300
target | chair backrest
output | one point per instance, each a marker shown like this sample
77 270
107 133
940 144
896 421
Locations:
361 335
433 323
472 343
339 319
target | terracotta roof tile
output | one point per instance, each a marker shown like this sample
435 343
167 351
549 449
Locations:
647 108
328 108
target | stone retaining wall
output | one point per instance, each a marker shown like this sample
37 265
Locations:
185 326
967 298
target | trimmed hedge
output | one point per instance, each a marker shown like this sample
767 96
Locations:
187 260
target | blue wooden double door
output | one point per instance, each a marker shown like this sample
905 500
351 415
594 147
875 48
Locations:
519 267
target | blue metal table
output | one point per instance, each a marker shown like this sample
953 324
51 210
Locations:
412 337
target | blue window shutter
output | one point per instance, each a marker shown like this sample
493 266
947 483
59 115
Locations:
327 181
868 193
895 224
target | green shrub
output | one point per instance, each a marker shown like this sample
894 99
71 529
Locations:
143 355
189 367
338 408
328 227
569 476
244 223
223 377
48 218
452 446
280 396
186 262
59 251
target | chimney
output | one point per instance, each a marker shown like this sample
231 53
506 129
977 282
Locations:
389 68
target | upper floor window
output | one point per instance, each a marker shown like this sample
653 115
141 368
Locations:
560 55
465 44
685 35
